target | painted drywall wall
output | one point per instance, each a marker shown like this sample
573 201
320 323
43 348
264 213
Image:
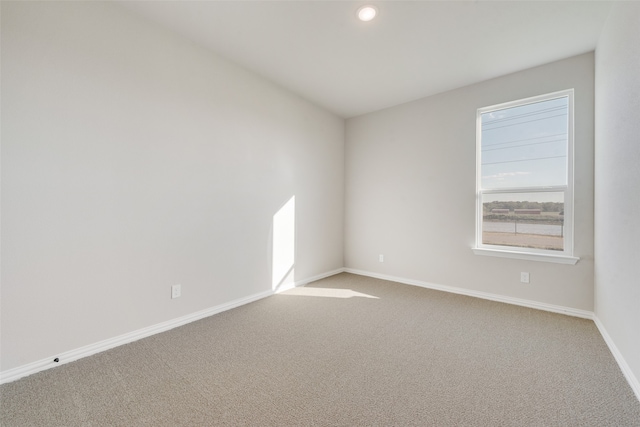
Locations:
617 181
133 160
410 190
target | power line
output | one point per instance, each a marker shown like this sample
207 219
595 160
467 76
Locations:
523 145
531 113
524 160
526 139
521 123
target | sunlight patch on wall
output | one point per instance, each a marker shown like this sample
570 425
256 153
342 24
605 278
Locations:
284 246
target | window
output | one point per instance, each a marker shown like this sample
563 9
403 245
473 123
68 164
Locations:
525 179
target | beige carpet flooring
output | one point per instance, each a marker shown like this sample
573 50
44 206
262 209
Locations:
344 351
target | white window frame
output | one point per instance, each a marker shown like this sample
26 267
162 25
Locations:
565 256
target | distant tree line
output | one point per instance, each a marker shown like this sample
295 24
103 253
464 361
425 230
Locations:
543 206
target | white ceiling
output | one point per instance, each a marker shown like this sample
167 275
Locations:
319 50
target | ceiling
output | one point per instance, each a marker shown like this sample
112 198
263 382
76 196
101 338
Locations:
413 49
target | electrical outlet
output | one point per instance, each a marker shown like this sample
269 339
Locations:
381 258
176 291
524 277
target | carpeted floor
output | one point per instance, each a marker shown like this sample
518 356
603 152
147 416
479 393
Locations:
344 351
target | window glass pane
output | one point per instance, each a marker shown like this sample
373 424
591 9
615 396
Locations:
525 146
526 220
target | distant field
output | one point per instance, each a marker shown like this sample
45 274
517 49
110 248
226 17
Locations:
542 218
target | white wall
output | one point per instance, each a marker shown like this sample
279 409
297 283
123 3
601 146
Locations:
617 182
133 160
410 190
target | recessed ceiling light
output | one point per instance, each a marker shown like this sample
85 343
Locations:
367 13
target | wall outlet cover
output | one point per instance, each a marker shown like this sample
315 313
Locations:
176 291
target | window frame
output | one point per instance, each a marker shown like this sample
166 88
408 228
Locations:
566 256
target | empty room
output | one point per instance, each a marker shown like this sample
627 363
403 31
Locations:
320 213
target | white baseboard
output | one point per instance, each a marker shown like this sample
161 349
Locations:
91 349
313 279
484 295
72 355
624 367
88 350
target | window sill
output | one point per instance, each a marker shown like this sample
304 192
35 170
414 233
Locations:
559 259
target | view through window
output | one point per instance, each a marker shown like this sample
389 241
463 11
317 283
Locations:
524 168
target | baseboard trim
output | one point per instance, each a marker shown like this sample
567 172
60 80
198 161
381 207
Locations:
309 280
91 349
622 363
72 355
319 277
478 294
